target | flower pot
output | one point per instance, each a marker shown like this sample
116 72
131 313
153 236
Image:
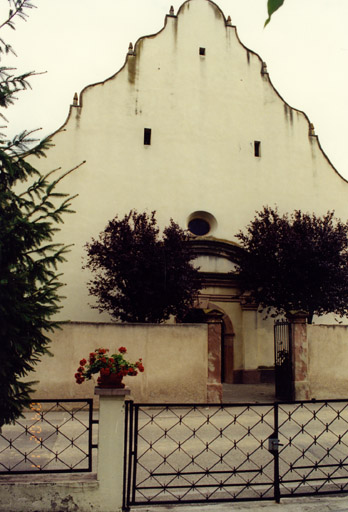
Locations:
113 380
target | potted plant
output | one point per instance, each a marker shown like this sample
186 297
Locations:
112 368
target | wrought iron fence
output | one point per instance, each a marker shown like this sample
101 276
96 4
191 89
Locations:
283 360
53 436
314 455
197 453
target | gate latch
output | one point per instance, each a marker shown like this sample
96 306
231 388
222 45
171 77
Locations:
273 444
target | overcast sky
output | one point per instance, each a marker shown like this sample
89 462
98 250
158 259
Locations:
79 42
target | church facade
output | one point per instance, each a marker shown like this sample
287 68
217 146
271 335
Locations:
192 127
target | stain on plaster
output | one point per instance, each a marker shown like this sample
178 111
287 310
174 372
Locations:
217 11
288 113
133 62
140 44
175 26
66 504
132 69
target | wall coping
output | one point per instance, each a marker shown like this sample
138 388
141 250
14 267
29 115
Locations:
111 391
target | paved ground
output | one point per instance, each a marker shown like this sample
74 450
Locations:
239 393
328 504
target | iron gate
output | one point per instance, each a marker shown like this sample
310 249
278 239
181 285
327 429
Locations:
283 361
198 453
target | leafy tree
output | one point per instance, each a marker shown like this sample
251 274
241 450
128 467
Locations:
140 277
296 262
29 282
272 7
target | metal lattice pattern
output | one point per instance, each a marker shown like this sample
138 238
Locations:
201 453
53 436
283 361
314 458
185 453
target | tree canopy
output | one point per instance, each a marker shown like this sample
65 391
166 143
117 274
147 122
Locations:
296 262
30 209
138 275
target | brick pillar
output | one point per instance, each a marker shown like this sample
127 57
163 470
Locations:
300 355
214 387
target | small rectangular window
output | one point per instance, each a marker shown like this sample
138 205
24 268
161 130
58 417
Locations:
257 148
147 136
202 51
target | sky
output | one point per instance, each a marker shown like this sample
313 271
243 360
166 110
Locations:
74 43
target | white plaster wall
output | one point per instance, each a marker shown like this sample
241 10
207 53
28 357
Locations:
175 358
214 264
328 361
205 114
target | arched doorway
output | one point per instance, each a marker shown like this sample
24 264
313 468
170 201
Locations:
201 313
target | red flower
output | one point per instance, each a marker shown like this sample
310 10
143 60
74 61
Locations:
79 378
99 361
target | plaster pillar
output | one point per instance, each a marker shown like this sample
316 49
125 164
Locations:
299 355
111 446
214 387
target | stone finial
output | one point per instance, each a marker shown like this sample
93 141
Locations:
75 100
264 70
229 21
171 11
311 129
130 49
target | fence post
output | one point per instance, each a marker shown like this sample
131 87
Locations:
300 355
111 446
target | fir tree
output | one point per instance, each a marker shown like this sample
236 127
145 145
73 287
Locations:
30 208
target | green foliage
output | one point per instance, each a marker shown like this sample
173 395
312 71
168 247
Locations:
296 262
272 6
140 277
30 209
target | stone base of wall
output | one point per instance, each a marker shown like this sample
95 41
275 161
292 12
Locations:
45 493
214 393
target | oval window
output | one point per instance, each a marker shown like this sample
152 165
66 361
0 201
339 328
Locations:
199 227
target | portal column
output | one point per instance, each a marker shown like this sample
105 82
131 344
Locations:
214 387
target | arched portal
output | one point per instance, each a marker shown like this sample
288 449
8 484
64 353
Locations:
202 313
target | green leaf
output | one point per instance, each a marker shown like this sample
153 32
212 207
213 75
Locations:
272 6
